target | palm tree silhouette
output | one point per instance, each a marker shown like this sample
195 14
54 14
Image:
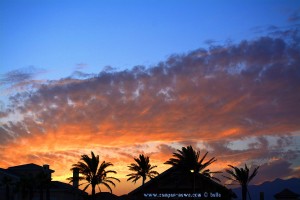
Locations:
93 173
142 169
188 160
241 175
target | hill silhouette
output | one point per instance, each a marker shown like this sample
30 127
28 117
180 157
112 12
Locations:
270 188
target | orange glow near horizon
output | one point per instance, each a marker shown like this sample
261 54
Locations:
60 150
120 144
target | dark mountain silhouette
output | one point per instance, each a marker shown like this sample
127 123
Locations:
271 188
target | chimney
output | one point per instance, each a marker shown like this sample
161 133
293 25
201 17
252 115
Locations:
75 178
46 170
261 196
46 167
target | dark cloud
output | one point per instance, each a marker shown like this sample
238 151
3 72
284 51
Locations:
81 75
210 42
81 66
273 155
295 16
268 171
274 169
109 68
20 75
2 110
166 149
3 114
259 151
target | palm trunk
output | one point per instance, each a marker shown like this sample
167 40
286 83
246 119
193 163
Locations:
144 180
244 192
93 191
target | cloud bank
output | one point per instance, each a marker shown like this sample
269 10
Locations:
239 101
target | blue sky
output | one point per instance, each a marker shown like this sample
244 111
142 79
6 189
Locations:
63 36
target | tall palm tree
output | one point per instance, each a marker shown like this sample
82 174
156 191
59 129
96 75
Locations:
188 160
243 177
94 174
142 169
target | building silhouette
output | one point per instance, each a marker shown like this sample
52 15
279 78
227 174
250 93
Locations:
174 184
34 182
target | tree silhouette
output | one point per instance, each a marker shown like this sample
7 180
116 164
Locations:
94 174
188 160
142 169
241 175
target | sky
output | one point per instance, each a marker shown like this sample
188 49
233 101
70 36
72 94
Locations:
123 78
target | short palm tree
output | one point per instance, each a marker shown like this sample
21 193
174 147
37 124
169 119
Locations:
94 174
188 160
142 169
243 177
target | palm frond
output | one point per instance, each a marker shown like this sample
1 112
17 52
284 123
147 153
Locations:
188 159
142 169
241 175
84 189
93 173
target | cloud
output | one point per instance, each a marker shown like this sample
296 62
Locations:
21 80
295 16
81 66
20 75
250 88
109 68
254 150
274 169
218 99
81 75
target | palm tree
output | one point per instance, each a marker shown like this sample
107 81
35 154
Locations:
142 168
188 160
93 173
241 175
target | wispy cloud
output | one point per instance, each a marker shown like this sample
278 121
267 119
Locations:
20 75
21 80
295 16
81 66
81 75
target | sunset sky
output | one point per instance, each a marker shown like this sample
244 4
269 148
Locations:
122 78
